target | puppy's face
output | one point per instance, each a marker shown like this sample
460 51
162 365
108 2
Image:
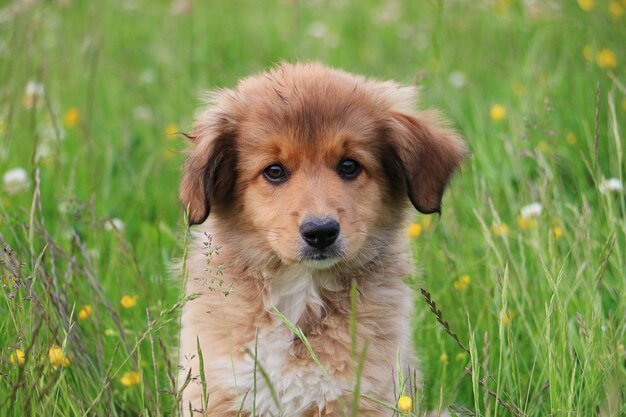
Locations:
314 199
315 165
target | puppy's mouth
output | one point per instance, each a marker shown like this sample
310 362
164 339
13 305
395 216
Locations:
320 258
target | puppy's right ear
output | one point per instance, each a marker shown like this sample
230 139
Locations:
424 155
209 171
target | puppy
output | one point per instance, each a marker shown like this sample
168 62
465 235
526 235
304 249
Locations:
303 180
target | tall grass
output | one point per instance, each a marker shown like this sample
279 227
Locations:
537 305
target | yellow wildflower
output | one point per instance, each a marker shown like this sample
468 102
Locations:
57 356
459 286
129 301
72 117
557 232
570 138
462 283
461 357
405 404
497 113
17 357
171 130
500 229
526 223
130 379
414 230
588 53
606 59
443 358
86 312
616 10
586 5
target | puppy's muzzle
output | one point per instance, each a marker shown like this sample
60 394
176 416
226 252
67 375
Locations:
319 233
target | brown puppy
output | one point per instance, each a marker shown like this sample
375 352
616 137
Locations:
308 174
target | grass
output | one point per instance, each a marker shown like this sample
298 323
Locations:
541 317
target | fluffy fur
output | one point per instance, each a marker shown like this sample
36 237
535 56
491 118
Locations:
252 258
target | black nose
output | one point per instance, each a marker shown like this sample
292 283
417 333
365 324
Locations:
319 233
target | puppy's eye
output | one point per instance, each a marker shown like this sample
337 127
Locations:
275 173
349 168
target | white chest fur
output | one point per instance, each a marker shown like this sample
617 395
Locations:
281 389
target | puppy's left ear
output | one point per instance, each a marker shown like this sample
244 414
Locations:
424 155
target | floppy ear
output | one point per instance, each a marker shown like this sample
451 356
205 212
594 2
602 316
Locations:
424 156
209 171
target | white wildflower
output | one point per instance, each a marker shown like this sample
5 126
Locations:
114 224
34 88
531 211
93 253
33 95
318 30
15 180
388 14
147 76
611 185
456 79
51 133
142 113
43 151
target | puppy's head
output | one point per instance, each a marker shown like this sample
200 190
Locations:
314 165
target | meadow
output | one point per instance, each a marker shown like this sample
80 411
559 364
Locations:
524 274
